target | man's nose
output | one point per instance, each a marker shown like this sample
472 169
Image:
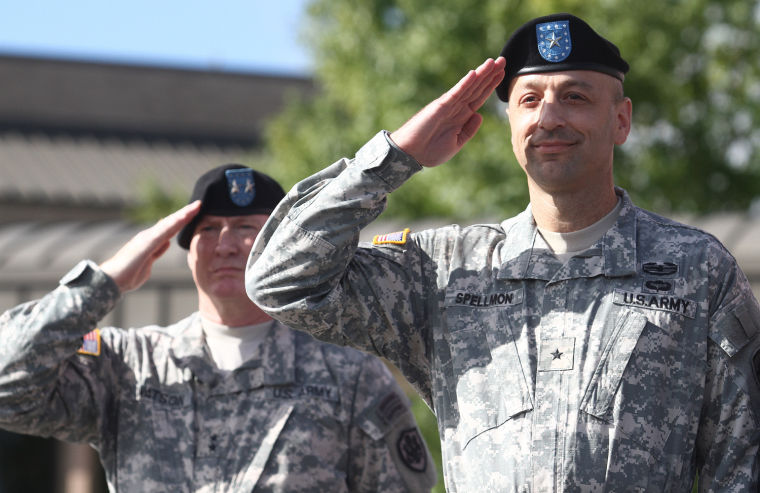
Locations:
551 115
227 241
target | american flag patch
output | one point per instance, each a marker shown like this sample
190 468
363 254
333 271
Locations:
396 238
91 343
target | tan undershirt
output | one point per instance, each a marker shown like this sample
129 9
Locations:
565 245
232 346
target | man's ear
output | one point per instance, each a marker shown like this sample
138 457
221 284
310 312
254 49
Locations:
623 120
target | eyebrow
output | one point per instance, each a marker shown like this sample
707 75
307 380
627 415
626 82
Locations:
564 85
204 222
233 220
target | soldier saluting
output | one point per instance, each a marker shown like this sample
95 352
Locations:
226 399
574 385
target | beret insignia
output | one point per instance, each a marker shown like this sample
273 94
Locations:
241 186
553 40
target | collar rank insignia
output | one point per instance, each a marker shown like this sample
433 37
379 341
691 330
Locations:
241 186
91 343
553 39
397 238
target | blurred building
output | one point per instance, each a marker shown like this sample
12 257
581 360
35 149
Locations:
79 143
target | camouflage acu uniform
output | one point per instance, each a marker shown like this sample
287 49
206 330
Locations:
625 369
303 417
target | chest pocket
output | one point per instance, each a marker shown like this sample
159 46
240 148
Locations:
167 431
486 372
640 386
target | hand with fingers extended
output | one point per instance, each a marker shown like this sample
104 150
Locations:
130 267
443 127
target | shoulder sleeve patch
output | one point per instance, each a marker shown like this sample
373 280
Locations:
91 343
411 449
396 238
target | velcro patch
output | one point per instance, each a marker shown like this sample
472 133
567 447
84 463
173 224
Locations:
556 354
91 343
396 238
390 407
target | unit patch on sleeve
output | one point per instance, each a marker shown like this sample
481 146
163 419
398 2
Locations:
396 238
91 343
411 449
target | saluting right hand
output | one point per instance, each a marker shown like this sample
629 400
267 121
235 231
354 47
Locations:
130 266
443 127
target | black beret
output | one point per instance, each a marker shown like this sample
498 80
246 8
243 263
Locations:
231 190
556 43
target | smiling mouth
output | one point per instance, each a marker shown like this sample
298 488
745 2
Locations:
552 147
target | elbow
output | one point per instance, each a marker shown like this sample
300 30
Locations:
255 288
257 280
265 289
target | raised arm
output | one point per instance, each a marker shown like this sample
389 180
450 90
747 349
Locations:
44 389
307 268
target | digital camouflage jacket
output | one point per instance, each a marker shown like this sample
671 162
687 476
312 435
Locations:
302 416
628 368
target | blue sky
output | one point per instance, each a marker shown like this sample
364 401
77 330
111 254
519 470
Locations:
237 35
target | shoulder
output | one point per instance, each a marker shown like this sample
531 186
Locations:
455 241
339 360
480 232
123 340
660 232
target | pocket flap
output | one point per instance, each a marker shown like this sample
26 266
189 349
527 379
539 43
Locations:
736 328
606 379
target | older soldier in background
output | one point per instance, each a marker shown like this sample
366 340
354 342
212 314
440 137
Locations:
224 400
583 345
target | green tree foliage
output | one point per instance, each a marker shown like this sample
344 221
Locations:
694 82
154 202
